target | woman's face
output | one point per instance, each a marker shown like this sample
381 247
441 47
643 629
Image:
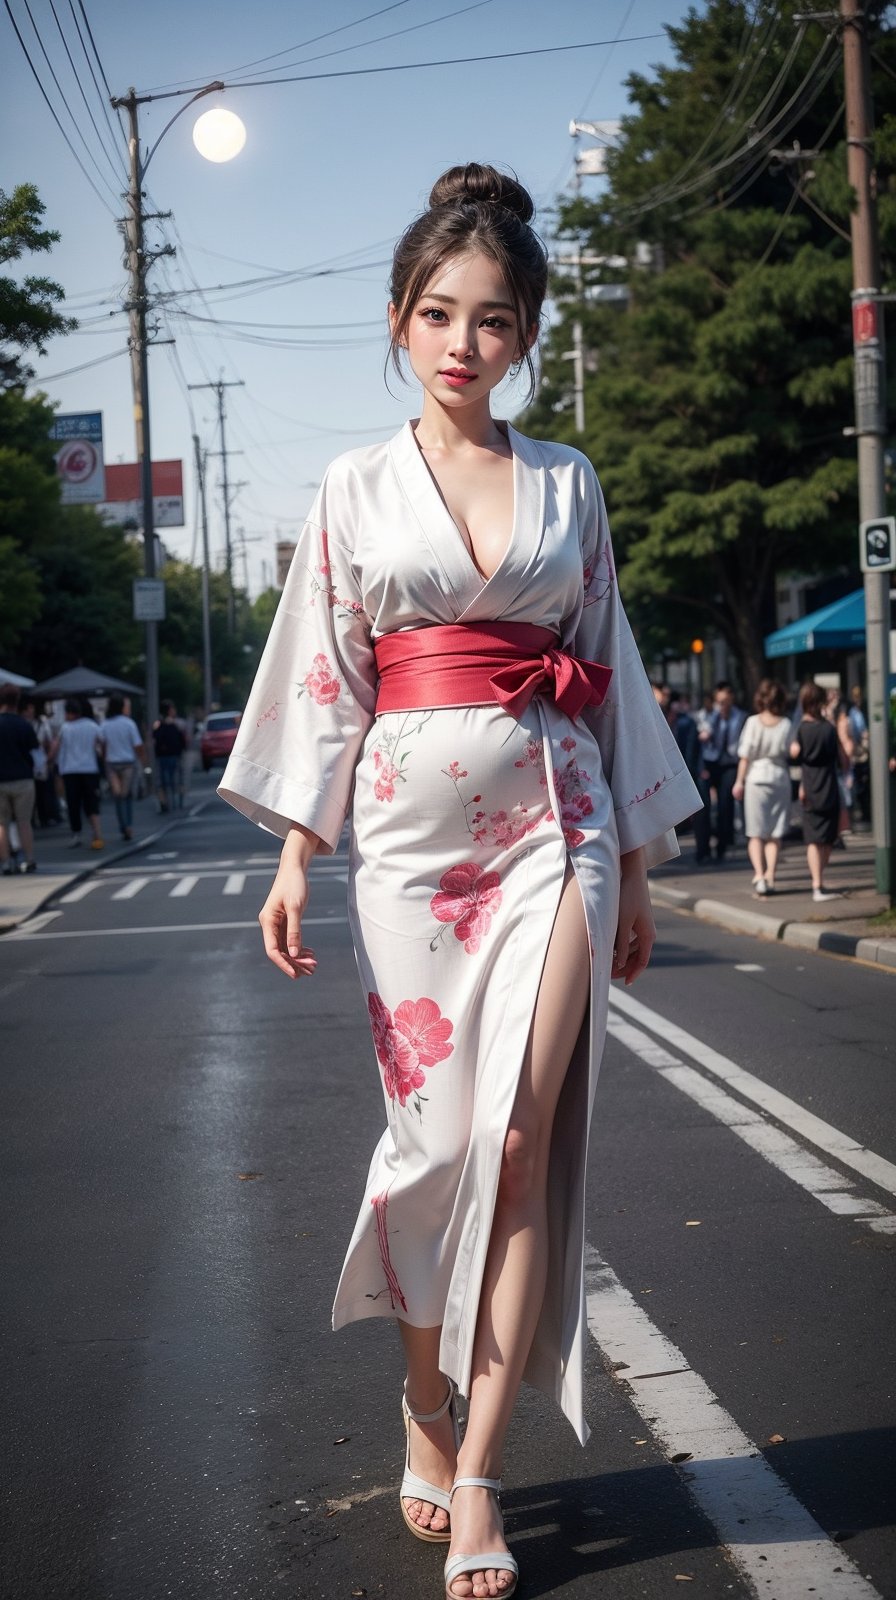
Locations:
462 335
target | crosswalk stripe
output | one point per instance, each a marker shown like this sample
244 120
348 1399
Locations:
832 1188
794 1116
80 891
128 890
770 1537
236 883
184 887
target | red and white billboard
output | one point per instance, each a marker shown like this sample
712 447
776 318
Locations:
124 499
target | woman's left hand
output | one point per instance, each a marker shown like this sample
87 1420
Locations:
636 929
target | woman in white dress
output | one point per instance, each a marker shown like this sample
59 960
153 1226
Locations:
763 782
450 665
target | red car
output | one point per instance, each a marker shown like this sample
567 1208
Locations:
218 737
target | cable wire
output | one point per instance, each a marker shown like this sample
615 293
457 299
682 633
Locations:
112 355
52 110
99 63
117 171
379 38
68 108
100 96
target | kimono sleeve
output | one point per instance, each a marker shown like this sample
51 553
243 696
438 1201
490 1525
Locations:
314 694
651 787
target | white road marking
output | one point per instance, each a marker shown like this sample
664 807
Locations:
162 855
749 966
184 887
80 892
236 883
780 1106
22 936
36 923
129 890
777 1147
773 1540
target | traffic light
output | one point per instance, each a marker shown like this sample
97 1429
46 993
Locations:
877 545
697 647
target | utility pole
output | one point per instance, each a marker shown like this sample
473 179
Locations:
219 387
206 583
870 407
137 259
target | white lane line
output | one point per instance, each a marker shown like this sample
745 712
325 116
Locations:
22 936
749 966
236 883
80 892
129 890
777 1147
780 1106
774 1541
36 923
184 887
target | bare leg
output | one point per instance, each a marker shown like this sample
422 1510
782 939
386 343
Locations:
433 1453
756 852
772 847
817 863
516 1265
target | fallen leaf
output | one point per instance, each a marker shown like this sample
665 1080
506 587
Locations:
693 1224
639 1441
359 1591
684 1577
331 1513
245 1177
344 1439
682 1455
776 1438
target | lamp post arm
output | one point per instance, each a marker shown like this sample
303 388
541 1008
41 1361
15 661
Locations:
210 88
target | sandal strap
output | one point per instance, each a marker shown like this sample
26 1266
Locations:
477 1483
414 1488
499 1560
430 1416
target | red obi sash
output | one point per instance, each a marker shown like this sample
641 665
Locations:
471 665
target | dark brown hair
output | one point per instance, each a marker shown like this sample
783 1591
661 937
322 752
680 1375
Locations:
473 208
811 700
770 696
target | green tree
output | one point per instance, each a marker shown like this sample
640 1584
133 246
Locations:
28 309
85 568
715 414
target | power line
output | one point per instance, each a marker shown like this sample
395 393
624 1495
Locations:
50 377
381 37
330 34
100 96
68 108
117 171
110 96
101 197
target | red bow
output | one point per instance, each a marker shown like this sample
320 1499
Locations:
571 682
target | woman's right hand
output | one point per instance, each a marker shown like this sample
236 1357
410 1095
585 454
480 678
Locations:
281 915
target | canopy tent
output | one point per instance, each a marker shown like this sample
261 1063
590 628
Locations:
16 679
83 680
839 626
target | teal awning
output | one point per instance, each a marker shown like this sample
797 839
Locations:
839 626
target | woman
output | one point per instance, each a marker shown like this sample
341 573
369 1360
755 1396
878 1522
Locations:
122 749
450 645
77 747
817 747
763 782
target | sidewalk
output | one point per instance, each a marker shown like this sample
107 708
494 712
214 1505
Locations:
722 892
58 866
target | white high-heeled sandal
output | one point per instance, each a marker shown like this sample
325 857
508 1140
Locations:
414 1488
498 1560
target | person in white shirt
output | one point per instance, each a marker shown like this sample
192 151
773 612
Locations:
77 748
122 748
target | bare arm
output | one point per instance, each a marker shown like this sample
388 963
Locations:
636 929
281 915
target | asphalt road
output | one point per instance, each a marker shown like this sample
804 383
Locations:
185 1135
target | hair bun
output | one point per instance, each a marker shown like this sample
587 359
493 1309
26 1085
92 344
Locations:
485 186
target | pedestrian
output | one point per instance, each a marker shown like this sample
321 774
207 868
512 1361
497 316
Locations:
77 747
763 781
122 750
818 749
46 803
720 755
18 743
861 766
451 647
837 712
685 732
169 742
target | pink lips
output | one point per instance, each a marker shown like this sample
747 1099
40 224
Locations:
457 376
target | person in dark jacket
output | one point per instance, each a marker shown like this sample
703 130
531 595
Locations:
17 740
169 743
817 747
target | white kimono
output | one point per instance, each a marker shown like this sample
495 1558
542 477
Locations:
462 821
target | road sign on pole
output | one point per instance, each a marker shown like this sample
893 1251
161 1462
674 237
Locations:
877 545
149 600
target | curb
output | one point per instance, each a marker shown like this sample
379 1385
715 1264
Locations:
97 865
804 935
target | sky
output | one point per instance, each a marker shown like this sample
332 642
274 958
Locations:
331 173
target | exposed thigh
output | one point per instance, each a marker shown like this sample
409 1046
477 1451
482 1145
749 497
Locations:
560 1009
23 802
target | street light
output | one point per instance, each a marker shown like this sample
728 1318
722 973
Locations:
137 260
